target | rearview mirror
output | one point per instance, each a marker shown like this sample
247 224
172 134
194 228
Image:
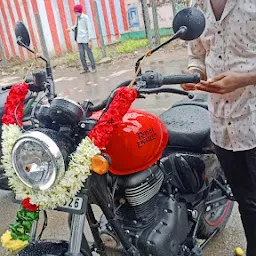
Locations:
22 34
191 18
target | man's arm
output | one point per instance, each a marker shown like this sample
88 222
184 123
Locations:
196 57
89 28
227 82
196 62
71 29
248 78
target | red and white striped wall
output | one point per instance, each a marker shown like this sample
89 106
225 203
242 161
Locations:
56 16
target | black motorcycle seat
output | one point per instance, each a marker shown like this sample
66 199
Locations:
188 126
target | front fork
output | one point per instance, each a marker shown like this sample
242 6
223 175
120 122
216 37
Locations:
77 230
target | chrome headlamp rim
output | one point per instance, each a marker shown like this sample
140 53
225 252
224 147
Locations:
52 149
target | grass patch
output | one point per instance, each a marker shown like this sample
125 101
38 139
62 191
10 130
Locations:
71 58
131 45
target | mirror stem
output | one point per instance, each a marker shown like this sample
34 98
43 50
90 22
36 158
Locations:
23 45
50 81
48 71
177 35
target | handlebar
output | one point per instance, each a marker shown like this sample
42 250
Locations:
6 87
36 83
155 79
150 83
181 79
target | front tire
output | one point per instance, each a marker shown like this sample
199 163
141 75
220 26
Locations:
46 247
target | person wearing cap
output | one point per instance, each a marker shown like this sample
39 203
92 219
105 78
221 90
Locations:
83 35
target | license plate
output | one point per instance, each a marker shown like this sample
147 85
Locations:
75 203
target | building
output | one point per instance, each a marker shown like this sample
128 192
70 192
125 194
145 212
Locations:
119 19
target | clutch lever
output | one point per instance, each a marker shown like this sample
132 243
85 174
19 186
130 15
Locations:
166 90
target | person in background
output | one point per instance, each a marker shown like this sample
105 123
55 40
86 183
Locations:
225 55
83 32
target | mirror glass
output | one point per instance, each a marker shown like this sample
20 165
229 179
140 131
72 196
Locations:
193 19
22 34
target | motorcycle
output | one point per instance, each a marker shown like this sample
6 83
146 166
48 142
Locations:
165 192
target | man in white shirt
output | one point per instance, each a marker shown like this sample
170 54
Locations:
83 35
225 54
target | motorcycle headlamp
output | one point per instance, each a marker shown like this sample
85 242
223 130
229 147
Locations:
37 160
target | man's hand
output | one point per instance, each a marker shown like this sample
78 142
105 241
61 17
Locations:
224 83
68 29
90 44
191 86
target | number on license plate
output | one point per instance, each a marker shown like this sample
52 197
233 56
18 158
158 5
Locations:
75 203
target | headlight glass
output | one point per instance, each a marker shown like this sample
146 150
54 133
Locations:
37 160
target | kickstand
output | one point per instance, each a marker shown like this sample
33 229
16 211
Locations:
202 246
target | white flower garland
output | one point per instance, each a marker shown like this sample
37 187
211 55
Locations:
64 188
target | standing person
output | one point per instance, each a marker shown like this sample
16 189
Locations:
225 54
83 35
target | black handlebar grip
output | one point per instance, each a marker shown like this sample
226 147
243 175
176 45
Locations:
6 87
181 79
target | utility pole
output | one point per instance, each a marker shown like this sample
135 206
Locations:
174 8
42 37
156 26
2 54
102 44
147 22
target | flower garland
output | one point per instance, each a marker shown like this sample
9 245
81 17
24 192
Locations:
18 236
102 132
70 184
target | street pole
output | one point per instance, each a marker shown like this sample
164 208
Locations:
147 22
102 44
156 26
42 38
3 60
174 8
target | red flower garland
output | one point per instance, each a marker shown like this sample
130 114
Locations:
16 96
28 206
102 132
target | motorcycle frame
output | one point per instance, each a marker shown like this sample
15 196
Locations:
92 195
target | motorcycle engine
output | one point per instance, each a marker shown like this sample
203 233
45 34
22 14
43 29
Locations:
156 223
139 191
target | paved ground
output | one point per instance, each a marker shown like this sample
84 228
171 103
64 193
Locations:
96 87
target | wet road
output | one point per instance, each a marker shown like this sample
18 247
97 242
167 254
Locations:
96 87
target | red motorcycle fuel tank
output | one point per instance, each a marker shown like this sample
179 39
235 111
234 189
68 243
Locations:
137 143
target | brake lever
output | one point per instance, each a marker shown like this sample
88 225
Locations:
140 96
